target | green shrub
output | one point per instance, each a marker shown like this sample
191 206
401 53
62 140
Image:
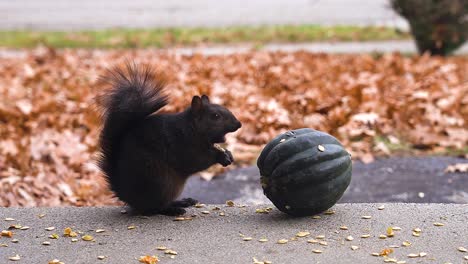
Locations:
437 26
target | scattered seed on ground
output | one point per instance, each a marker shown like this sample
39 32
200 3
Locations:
68 232
101 257
24 228
55 261
390 232
343 227
87 238
323 243
382 236
394 246
302 234
316 217
74 240
181 218
282 241
396 228
205 212
406 243
170 252
14 240
230 203
100 230
312 241
222 214
349 238
9 219
462 249
246 238
365 236
263 240
375 254
317 251
386 252
54 236
417 229
329 212
263 210
422 254
366 217
41 215
46 243
321 148
15 258
354 247
3 245
50 228
6 233
438 224
320 237
381 207
416 234
148 259
200 205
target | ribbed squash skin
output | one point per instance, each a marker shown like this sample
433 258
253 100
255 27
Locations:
300 179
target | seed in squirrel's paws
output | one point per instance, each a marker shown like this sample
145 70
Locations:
218 147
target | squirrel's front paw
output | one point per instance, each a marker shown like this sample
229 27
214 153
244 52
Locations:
226 158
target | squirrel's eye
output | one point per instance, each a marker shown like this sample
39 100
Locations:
215 116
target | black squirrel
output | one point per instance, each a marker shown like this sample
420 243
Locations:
147 157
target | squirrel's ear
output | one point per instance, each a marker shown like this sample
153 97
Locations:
196 104
205 99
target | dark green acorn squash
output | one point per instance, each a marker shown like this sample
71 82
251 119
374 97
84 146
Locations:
304 171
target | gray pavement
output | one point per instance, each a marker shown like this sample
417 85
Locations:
403 46
91 14
210 238
395 179
351 47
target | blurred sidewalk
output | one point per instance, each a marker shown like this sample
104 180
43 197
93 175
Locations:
403 46
92 14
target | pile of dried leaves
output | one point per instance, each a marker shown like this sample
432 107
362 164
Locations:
49 127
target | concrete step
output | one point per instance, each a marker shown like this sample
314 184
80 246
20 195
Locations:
211 238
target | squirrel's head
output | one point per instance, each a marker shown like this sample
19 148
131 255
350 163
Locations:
212 121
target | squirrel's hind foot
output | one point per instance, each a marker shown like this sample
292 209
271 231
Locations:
173 211
186 202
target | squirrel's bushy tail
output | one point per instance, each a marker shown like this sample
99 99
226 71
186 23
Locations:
134 93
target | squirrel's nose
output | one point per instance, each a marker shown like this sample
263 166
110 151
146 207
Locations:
239 124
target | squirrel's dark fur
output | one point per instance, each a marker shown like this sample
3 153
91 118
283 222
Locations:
147 157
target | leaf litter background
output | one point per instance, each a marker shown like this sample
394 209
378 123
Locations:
49 123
